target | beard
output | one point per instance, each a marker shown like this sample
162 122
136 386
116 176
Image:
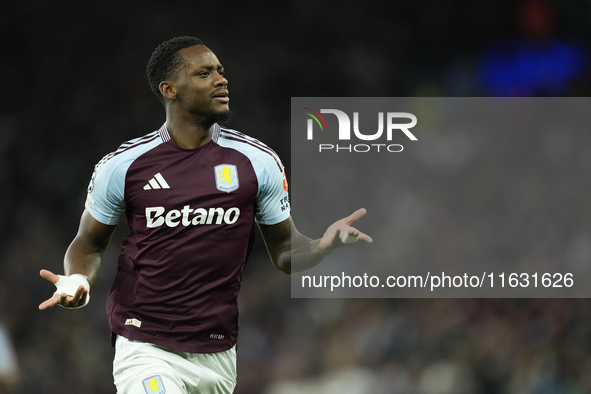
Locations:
206 118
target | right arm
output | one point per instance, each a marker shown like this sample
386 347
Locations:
82 257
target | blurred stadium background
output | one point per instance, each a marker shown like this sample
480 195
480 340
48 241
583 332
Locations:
74 88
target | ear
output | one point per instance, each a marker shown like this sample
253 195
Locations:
167 90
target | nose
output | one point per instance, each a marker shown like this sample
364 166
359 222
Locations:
221 80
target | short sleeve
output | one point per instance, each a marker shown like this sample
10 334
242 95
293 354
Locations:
273 198
104 200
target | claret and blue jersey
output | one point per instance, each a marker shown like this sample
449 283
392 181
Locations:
191 213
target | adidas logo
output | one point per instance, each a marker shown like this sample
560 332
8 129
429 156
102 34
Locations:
157 182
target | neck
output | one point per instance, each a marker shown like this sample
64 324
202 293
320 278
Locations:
187 135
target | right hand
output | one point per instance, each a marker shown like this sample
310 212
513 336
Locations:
75 300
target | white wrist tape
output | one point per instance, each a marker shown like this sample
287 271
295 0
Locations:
69 285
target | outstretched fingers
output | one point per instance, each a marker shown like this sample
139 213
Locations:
62 299
79 297
358 214
50 276
51 302
53 278
342 233
347 236
351 232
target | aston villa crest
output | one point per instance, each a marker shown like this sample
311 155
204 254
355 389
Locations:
154 385
226 177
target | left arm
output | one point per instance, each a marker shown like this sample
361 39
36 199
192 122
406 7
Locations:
292 251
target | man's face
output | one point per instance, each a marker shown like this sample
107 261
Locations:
201 87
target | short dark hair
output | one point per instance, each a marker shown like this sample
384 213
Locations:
165 60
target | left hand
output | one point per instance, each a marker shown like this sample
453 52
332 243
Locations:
333 234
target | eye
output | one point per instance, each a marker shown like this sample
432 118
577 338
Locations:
221 72
203 74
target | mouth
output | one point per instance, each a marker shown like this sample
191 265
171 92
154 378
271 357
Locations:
222 96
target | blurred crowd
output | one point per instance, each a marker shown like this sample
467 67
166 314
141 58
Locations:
74 88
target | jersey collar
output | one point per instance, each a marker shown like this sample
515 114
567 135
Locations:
165 135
